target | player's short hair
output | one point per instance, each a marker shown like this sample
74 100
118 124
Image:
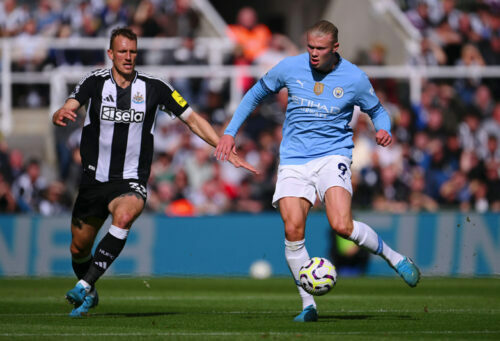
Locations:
325 27
122 31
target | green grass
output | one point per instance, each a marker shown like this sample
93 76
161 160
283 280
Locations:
245 309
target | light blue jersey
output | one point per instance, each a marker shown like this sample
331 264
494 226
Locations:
320 107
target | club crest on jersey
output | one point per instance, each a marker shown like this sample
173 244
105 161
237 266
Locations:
338 92
318 88
138 98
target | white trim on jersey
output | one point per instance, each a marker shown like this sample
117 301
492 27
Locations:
106 133
186 114
87 116
138 103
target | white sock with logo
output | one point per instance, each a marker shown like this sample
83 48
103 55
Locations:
363 235
296 255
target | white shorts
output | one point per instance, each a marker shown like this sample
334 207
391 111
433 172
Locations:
316 176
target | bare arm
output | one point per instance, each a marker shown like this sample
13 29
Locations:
205 131
66 112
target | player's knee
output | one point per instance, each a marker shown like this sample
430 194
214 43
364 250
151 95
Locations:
123 219
342 226
79 249
294 231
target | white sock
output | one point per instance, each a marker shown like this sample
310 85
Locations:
118 232
296 255
85 285
363 235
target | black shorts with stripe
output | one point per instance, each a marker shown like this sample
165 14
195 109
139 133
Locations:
93 199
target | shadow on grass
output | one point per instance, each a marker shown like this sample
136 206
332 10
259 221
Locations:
133 314
366 317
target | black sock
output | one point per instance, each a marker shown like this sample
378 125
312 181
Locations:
81 268
106 252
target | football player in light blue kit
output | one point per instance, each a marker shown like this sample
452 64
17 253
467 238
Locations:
316 150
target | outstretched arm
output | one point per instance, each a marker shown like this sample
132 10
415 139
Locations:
250 101
66 112
205 131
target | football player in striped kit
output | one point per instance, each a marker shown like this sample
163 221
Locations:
117 151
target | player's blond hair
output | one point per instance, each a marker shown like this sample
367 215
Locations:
324 27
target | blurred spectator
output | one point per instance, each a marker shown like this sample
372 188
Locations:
5 167
181 20
438 171
7 201
404 126
160 196
54 200
193 89
431 54
455 191
28 187
211 198
16 162
391 193
446 11
252 38
419 16
247 200
114 14
280 47
435 124
483 101
418 199
479 200
493 185
199 168
48 18
12 18
29 50
145 20
491 126
161 169
471 137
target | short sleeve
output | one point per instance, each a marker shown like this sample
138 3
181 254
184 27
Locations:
365 94
84 89
171 101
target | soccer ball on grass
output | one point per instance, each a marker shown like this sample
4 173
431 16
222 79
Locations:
317 276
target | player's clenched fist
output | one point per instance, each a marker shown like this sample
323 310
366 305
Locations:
383 138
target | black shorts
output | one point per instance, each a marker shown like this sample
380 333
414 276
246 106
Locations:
93 199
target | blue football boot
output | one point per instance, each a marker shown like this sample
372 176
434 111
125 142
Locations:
76 295
90 301
309 314
409 271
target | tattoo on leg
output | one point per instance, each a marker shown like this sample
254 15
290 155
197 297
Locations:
137 195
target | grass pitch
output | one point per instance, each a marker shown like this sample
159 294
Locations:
245 309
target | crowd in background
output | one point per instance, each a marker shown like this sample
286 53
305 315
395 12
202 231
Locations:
446 149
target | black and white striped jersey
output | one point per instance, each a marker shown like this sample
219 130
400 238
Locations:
117 136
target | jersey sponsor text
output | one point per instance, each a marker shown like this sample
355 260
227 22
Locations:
121 116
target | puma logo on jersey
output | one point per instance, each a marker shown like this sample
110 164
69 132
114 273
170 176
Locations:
121 116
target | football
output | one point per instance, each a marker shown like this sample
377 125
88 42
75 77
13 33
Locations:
317 276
